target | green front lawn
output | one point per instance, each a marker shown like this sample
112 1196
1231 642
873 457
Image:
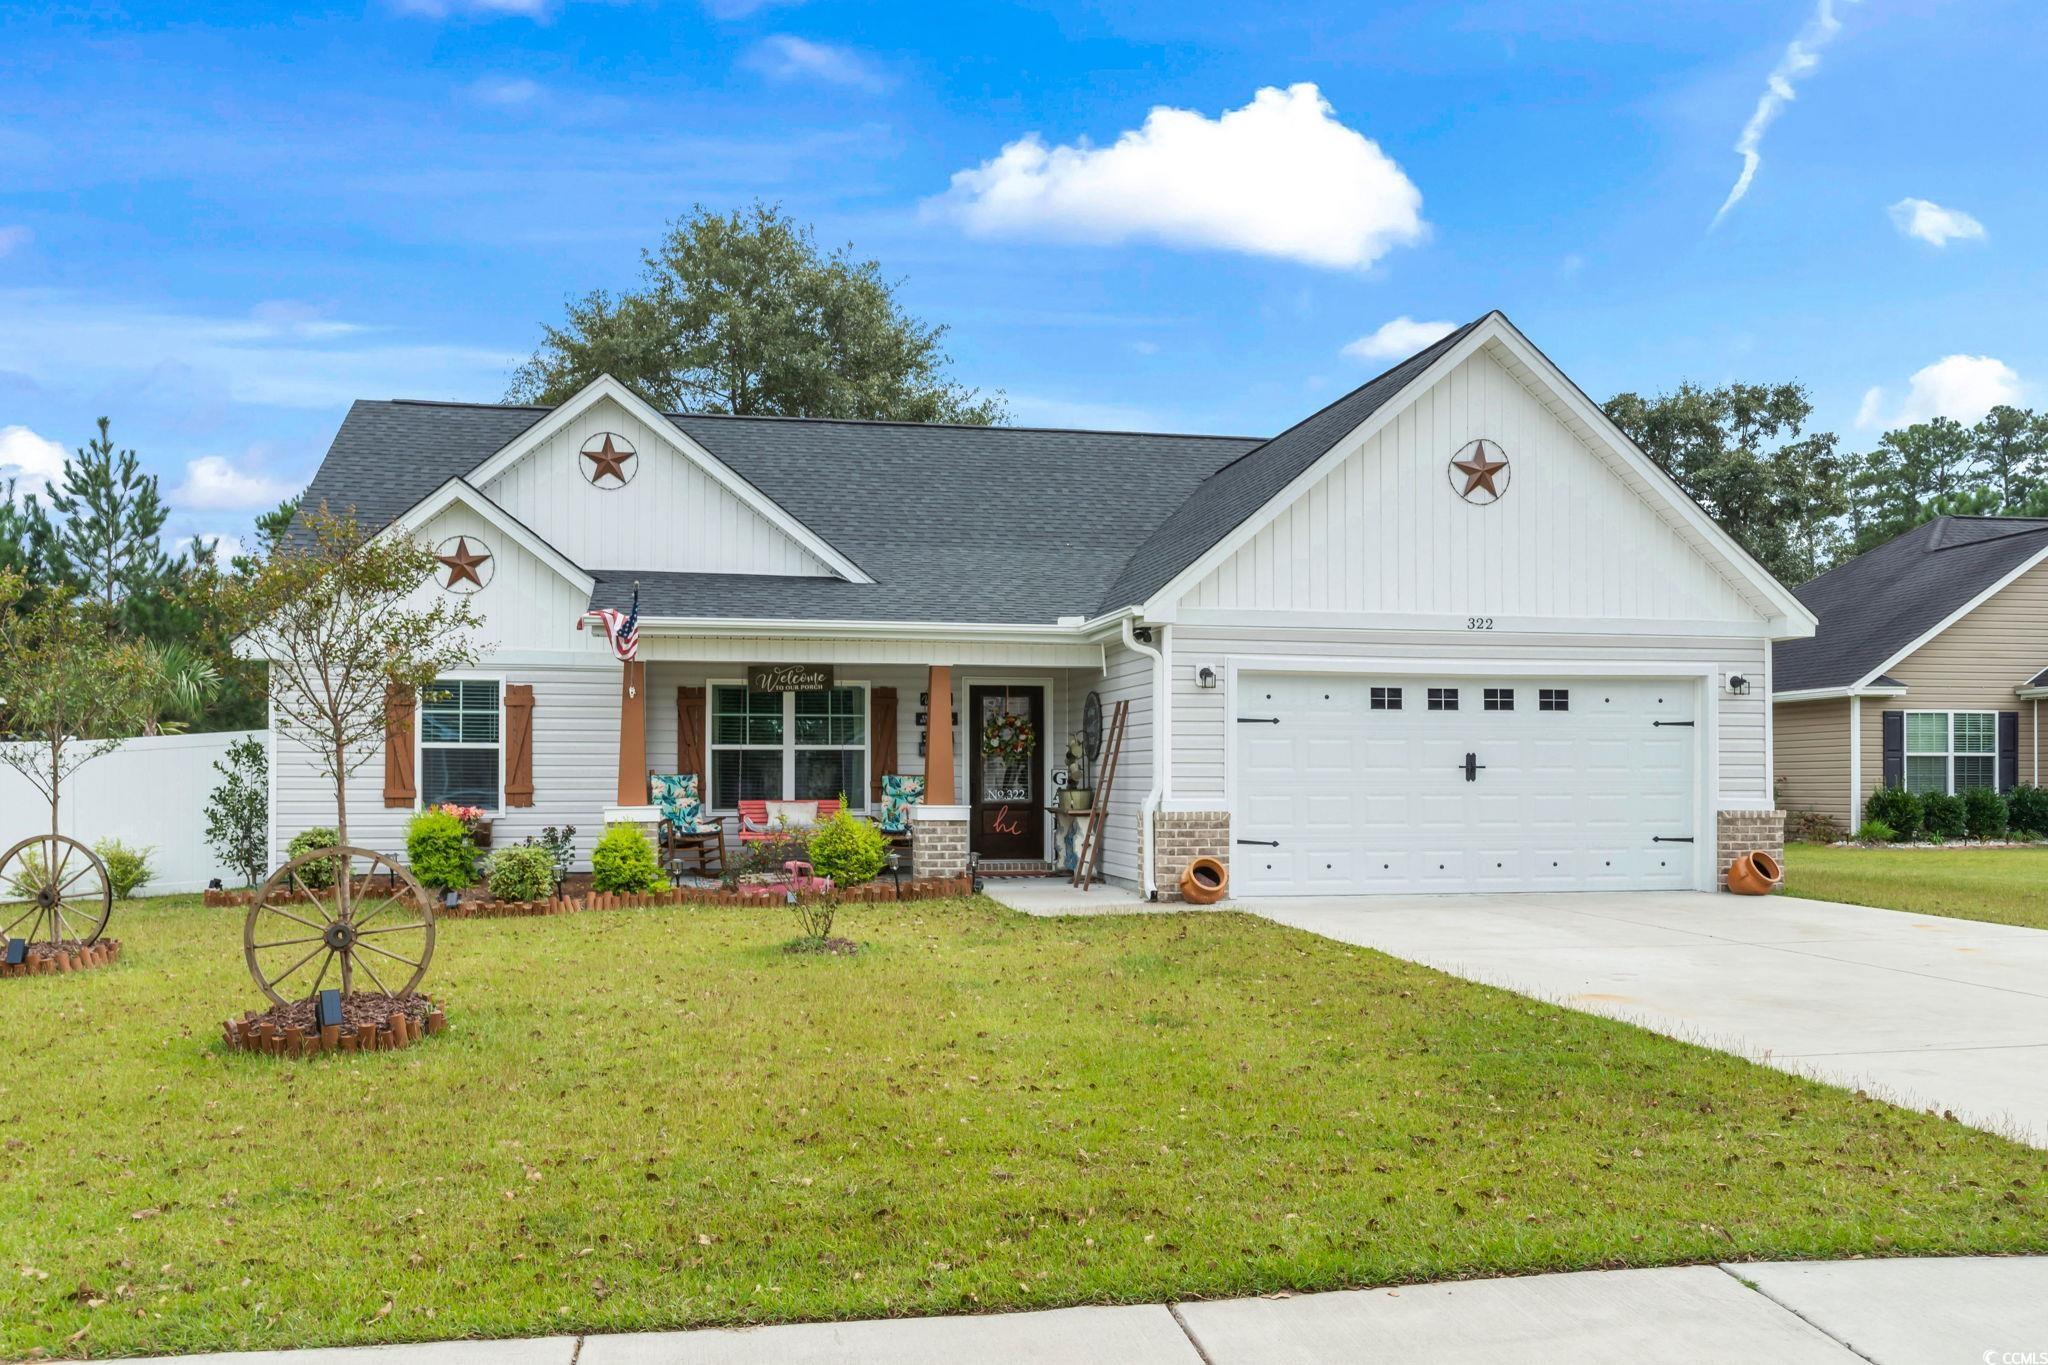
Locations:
657 1119
2002 885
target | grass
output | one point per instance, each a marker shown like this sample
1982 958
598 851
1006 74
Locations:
2000 885
658 1119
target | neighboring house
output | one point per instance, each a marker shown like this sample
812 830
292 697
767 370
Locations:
1927 671
1453 632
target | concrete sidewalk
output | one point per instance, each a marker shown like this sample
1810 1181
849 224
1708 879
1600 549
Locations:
1893 1312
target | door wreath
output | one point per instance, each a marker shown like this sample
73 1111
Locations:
1008 736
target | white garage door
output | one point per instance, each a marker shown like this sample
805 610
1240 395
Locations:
1360 784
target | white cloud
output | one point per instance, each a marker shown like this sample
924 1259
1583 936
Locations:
1933 224
1802 55
30 459
786 57
214 484
741 9
482 9
1399 339
1278 177
505 92
14 238
1963 387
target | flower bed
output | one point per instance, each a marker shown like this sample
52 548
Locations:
371 1022
45 959
922 888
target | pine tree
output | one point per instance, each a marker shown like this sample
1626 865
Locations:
109 515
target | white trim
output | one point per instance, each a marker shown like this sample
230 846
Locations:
415 518
922 812
1704 679
966 677
604 386
1459 623
1958 614
1148 880
1837 693
1770 734
632 815
1794 618
419 739
1949 751
858 630
858 805
1855 762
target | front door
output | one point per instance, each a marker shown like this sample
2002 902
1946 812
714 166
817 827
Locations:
1004 777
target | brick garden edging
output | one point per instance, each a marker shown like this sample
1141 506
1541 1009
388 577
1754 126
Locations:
47 963
255 1033
877 892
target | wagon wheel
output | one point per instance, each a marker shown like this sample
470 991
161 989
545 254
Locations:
296 933
57 887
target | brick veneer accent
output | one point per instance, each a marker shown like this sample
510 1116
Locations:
1746 831
938 848
1180 835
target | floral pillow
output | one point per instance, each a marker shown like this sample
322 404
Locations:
899 794
676 794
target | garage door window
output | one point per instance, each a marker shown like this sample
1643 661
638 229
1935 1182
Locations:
1553 699
1386 699
1500 699
1443 698
1951 751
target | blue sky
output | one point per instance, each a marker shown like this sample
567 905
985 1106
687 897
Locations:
218 225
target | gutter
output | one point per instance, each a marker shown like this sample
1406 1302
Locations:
1150 808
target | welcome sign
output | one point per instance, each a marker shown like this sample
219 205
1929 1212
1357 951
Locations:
789 677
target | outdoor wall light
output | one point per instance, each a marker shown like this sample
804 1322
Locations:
1738 685
1205 677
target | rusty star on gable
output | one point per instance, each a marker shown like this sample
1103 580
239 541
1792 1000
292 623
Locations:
1479 471
463 563
608 459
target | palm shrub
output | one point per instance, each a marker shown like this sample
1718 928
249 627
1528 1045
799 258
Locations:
1897 807
847 849
128 868
1985 814
313 876
1941 815
623 863
522 873
2028 808
1875 832
440 851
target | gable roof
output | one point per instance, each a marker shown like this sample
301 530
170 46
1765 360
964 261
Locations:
1012 525
1888 601
1216 508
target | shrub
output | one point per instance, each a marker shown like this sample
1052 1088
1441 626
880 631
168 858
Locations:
2028 808
440 851
1897 807
1875 832
623 863
847 849
1941 815
238 812
1985 815
523 873
1812 827
128 868
560 845
314 876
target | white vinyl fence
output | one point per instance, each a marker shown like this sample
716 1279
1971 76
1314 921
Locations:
148 792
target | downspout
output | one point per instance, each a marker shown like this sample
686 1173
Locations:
1161 736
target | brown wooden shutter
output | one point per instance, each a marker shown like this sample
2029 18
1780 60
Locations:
399 787
518 744
690 737
882 730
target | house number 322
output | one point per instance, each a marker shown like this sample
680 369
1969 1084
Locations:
1479 623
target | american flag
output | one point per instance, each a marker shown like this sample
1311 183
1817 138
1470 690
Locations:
622 628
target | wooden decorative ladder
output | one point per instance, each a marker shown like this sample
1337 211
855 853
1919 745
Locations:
1088 864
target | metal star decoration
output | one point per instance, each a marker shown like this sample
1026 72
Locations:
462 565
1479 471
608 459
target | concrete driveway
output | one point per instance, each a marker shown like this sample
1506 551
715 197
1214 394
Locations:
1943 1014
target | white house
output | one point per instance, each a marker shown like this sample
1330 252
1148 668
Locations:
1453 632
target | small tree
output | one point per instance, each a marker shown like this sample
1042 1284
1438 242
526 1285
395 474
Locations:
238 812
109 515
69 691
339 613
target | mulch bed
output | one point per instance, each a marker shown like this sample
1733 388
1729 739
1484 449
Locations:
370 1022
476 904
70 955
837 947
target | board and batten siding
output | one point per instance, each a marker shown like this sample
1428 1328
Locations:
1384 532
1201 730
1812 750
527 605
672 517
575 760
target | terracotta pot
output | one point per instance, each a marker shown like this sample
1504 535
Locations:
1204 881
1754 874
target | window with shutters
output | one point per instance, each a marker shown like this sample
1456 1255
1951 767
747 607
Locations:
461 743
1951 751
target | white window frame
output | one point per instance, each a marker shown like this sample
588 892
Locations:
1949 752
855 801
420 743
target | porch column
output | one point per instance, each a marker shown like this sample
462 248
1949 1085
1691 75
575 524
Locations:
938 759
633 735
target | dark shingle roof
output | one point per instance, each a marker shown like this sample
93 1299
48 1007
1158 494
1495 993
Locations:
1214 509
1876 604
955 523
